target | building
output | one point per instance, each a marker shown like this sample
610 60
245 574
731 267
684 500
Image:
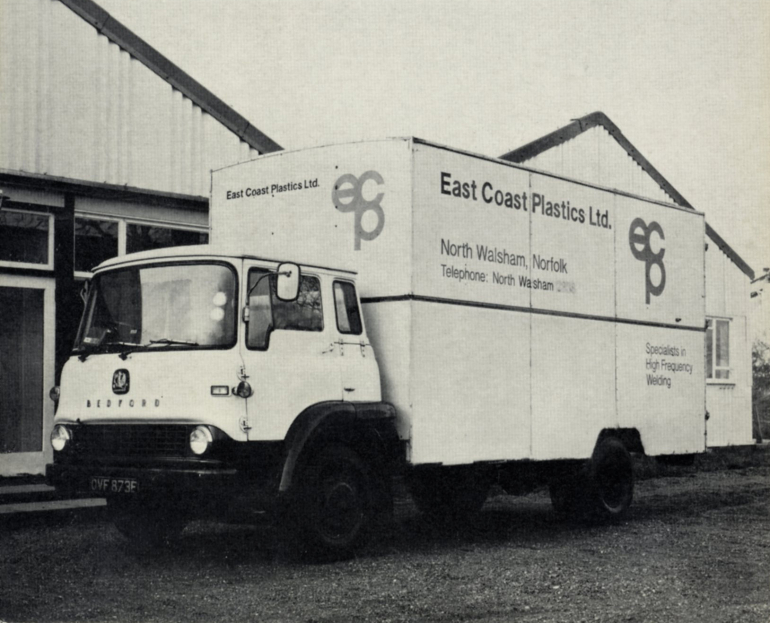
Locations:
106 148
593 149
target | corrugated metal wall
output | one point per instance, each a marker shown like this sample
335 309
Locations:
73 104
594 156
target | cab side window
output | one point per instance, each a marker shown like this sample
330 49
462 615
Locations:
303 314
269 313
346 307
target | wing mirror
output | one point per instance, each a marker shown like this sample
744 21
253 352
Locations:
287 288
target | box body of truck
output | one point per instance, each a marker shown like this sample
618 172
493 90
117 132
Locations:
515 315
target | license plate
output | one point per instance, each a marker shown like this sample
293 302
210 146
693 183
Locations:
101 484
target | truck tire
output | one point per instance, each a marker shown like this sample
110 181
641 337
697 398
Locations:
449 495
146 523
611 480
332 511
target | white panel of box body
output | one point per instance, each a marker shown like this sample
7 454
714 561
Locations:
648 234
573 385
467 248
388 325
573 248
470 364
660 375
470 384
284 206
660 387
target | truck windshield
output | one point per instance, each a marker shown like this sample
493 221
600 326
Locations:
160 307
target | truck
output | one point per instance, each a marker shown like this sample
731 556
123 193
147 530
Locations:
387 311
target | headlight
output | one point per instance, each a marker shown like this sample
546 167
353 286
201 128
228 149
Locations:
200 440
60 437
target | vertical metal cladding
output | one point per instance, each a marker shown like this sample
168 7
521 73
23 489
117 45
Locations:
611 167
73 104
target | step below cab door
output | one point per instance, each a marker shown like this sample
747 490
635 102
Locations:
359 372
286 352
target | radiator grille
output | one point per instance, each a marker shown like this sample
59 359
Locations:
156 440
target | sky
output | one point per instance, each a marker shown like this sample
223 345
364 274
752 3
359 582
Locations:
686 81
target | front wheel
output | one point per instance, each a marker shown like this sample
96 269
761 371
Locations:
332 512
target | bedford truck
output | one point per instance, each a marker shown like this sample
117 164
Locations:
380 310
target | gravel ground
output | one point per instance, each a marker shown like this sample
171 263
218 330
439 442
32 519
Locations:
696 548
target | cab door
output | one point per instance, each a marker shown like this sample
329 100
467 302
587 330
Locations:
359 373
287 353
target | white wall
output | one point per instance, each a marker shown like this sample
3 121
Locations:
729 401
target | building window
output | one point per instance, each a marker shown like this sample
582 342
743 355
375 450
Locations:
717 349
148 237
26 238
95 241
99 238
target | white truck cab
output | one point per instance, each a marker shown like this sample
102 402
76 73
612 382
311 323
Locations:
190 370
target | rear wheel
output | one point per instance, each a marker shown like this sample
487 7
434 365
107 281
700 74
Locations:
600 490
332 512
611 483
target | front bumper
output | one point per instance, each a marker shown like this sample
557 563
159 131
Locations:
98 480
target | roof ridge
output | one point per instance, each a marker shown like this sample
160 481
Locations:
598 118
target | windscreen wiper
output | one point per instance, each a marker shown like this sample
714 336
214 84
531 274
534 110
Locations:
161 342
167 342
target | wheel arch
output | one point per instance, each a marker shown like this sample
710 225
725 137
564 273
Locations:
631 438
367 428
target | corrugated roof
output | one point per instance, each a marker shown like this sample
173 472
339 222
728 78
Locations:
578 126
116 32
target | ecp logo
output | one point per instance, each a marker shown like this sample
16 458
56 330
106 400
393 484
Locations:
641 234
348 196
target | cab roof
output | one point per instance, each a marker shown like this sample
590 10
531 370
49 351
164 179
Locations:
201 252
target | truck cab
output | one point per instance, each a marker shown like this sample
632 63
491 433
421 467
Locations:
198 378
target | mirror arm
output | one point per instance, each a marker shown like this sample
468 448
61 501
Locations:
285 273
256 283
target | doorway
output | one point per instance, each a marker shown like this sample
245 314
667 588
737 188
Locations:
26 373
